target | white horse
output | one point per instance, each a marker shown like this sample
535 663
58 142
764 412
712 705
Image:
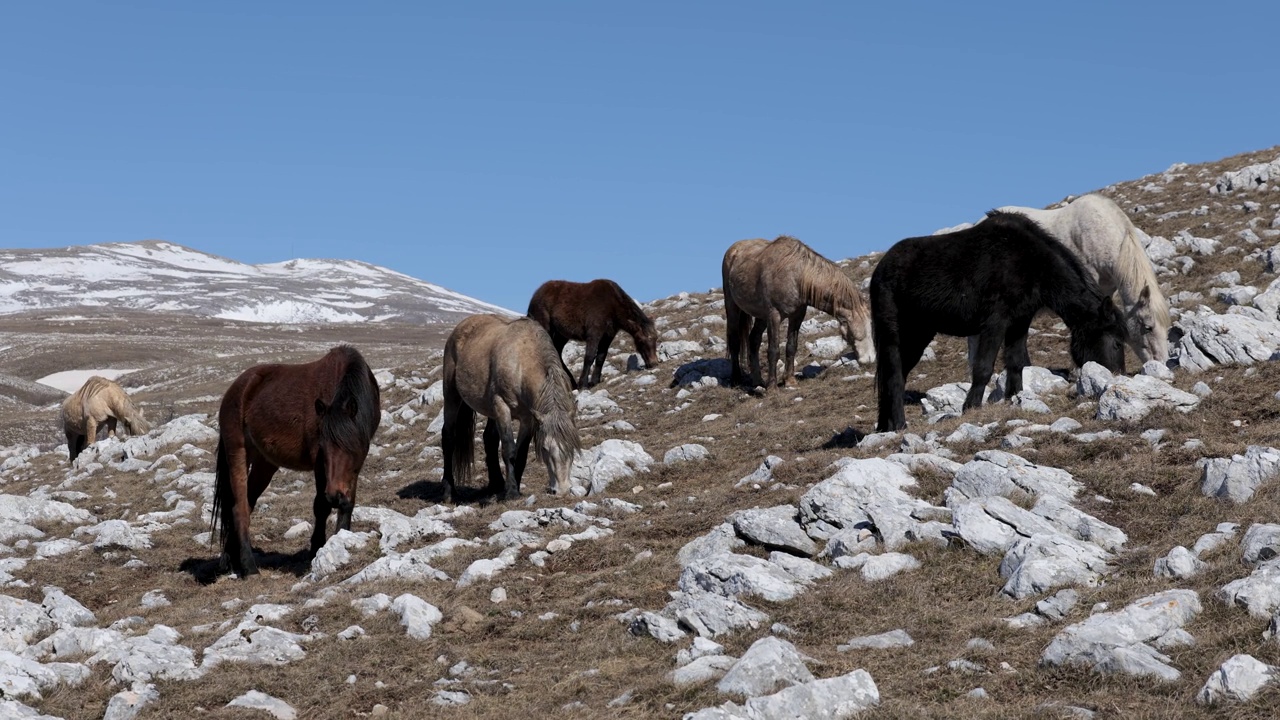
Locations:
1098 232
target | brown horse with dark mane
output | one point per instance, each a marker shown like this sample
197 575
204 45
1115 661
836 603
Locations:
592 312
318 416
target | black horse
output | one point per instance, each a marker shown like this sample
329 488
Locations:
989 280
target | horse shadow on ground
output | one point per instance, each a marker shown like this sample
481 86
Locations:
206 571
695 370
851 436
432 491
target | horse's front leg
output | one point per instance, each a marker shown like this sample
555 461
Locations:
91 430
522 455
111 426
793 341
984 363
321 508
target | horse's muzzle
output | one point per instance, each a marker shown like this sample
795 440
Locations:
341 501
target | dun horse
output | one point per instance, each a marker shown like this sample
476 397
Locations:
318 417
1107 243
593 313
99 401
989 280
507 370
765 282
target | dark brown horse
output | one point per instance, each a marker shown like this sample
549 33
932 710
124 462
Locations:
319 416
592 312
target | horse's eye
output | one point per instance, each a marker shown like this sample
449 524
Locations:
1147 329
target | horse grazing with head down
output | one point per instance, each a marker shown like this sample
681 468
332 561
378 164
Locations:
317 417
99 401
988 280
1108 244
506 369
592 312
765 282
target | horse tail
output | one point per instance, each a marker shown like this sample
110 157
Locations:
221 520
460 437
890 383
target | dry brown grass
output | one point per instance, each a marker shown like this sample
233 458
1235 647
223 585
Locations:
525 665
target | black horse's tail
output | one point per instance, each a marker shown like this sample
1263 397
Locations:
222 521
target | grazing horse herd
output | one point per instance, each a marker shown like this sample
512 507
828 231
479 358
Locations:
985 282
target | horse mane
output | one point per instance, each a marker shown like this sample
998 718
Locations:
556 406
634 313
1135 266
822 283
1062 300
352 430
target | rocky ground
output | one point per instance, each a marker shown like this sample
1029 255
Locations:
1099 545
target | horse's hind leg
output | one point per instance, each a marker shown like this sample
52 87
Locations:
775 327
602 349
492 460
1016 358
239 547
588 359
758 327
733 325
983 363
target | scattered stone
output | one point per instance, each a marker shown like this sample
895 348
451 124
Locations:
1111 642
688 452
273 706
770 663
883 641
1238 680
416 615
1179 564
775 527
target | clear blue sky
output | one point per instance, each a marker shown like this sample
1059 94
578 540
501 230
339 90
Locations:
491 146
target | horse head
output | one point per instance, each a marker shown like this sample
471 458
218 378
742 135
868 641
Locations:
557 445
341 452
856 329
1148 329
1101 340
647 344
137 423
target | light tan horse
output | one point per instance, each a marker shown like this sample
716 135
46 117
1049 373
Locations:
1107 242
98 401
506 369
765 282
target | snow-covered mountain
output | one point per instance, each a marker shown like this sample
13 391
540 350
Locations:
159 276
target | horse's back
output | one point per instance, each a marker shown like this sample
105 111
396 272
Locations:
488 357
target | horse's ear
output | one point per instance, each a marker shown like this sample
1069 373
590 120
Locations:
321 407
351 407
1144 297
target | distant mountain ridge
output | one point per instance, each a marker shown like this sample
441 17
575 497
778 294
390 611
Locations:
159 276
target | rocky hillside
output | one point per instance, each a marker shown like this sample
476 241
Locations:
1105 546
163 277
